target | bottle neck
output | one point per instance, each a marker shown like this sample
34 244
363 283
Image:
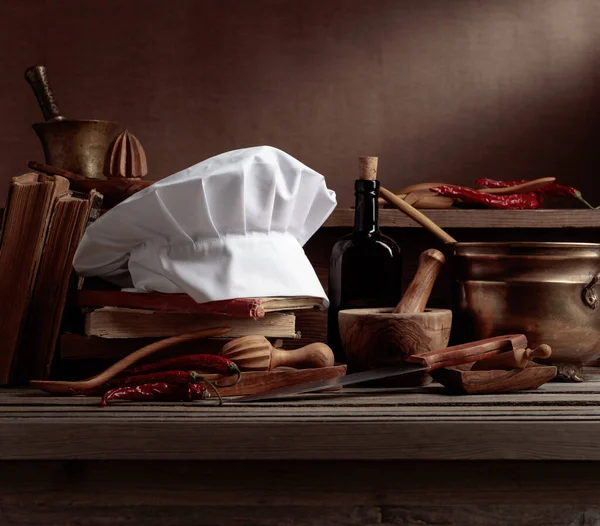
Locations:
366 212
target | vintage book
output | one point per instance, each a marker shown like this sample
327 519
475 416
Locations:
31 198
242 307
68 222
111 322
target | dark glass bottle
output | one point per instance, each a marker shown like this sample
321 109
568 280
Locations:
365 268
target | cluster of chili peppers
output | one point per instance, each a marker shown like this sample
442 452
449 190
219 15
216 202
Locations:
527 200
170 379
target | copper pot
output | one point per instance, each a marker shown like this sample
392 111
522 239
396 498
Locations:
543 290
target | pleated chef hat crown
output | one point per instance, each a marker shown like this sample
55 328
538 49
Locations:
232 226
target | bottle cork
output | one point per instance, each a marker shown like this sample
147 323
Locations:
367 168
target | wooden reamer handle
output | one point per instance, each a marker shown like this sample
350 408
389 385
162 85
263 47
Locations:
468 352
517 359
310 356
255 353
417 294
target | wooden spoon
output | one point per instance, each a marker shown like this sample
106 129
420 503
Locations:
420 195
255 353
68 387
529 186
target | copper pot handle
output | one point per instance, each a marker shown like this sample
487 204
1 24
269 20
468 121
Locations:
588 294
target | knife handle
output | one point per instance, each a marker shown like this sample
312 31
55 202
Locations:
468 352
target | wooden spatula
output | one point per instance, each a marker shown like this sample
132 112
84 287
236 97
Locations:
255 353
65 387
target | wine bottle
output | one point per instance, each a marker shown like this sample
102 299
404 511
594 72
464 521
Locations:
365 268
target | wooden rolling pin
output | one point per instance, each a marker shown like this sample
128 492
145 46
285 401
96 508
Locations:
255 353
417 294
515 359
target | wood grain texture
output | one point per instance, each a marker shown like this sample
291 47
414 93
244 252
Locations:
255 353
253 382
555 422
287 483
416 216
417 294
454 218
300 493
379 337
464 380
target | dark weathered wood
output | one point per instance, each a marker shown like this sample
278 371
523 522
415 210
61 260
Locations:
307 493
554 422
338 484
456 218
464 380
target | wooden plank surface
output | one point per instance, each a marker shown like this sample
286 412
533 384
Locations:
455 218
559 421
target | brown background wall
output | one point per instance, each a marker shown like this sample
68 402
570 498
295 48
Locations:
439 89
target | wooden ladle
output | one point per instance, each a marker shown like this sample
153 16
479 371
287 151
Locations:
255 353
68 387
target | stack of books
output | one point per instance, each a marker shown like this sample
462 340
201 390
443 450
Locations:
48 314
116 323
42 225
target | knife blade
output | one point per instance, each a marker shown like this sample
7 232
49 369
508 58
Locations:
450 356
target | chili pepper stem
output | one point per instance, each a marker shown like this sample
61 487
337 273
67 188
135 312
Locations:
578 195
202 379
237 380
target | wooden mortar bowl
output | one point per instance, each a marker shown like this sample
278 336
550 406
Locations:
374 338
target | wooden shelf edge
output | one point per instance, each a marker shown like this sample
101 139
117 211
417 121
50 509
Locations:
454 218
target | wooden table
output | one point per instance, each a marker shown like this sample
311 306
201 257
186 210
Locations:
385 458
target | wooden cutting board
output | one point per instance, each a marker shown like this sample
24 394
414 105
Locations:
254 382
461 380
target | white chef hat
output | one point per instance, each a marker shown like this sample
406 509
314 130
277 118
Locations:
232 226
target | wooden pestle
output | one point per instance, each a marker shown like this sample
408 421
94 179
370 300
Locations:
255 353
418 292
516 359
417 216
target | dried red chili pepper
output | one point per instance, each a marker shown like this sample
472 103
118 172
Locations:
205 362
527 200
551 188
171 377
159 391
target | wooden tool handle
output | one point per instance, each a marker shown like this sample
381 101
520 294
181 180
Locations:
417 216
468 352
310 356
367 168
51 170
255 353
517 359
416 296
37 77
